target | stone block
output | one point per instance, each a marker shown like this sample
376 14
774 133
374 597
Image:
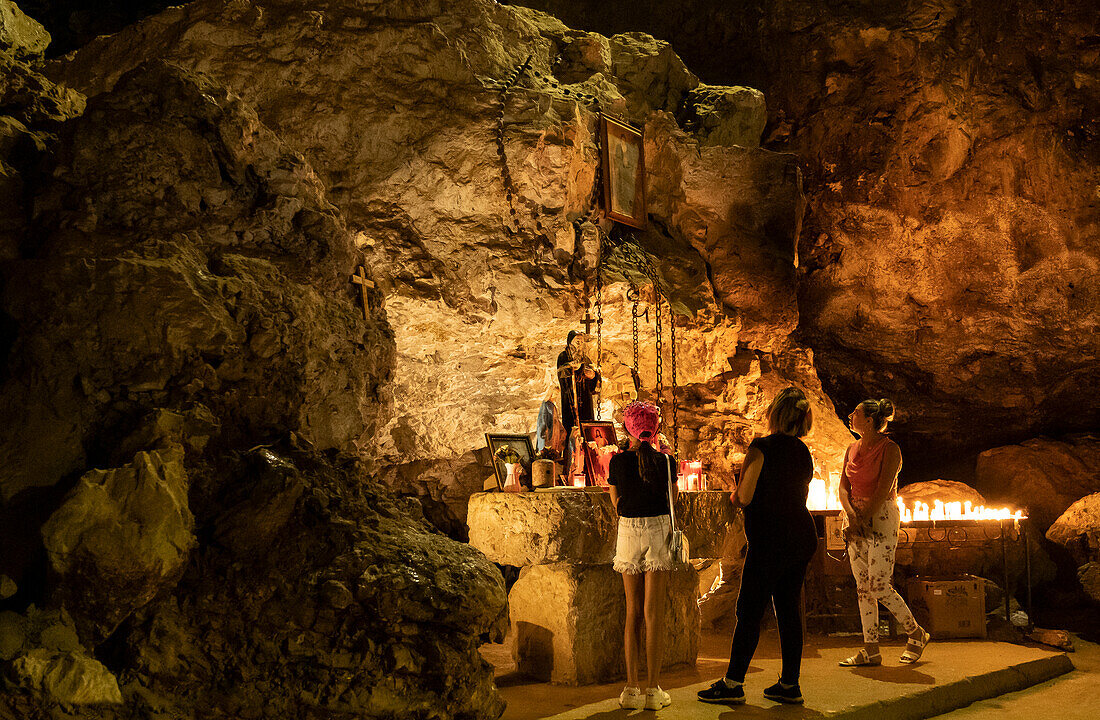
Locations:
710 524
543 527
567 622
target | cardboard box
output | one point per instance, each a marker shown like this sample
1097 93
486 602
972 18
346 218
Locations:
949 607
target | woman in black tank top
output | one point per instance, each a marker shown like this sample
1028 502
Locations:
775 480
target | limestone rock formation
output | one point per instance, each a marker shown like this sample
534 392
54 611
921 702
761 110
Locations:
20 35
538 528
1089 577
1078 528
571 526
949 258
567 622
70 678
186 286
210 234
1044 475
120 537
945 491
481 305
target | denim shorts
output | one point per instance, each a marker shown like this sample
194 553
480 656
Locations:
643 544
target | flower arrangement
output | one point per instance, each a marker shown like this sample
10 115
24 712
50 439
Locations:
507 454
549 454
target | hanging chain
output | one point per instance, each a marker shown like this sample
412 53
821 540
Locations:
660 360
672 397
511 224
632 296
599 325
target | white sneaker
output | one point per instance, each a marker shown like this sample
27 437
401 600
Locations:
656 698
632 698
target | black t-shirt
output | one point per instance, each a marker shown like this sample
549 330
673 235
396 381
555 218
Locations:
777 517
638 498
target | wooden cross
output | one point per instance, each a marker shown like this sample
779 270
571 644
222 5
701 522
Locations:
360 278
587 322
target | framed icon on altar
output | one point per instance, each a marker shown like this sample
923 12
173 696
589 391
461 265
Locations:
600 445
622 167
512 456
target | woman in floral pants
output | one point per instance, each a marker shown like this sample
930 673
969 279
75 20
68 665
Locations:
868 493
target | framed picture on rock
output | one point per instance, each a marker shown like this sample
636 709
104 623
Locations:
600 445
622 167
511 456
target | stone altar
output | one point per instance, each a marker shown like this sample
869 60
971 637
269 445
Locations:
567 609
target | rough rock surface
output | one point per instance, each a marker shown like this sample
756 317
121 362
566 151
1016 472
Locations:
211 233
949 256
120 537
20 35
186 284
945 490
567 622
536 528
66 677
1089 576
1078 528
1046 476
710 523
408 152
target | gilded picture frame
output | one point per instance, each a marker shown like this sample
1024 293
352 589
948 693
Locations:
622 166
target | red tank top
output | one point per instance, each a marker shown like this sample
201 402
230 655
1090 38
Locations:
864 466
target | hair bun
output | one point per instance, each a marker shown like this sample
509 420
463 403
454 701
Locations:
886 407
802 404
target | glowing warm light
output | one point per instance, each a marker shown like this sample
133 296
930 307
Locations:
578 481
955 511
690 476
823 496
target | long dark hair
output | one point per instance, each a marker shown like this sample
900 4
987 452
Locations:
652 464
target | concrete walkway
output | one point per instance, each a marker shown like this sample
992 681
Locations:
950 676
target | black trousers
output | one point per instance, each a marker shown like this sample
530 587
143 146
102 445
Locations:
777 578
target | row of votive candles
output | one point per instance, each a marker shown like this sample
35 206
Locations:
955 511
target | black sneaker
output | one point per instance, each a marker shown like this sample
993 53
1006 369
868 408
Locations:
784 694
722 694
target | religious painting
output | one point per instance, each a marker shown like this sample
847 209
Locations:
512 456
600 444
623 171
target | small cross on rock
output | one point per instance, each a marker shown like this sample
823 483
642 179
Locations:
360 278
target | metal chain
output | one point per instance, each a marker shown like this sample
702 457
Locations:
632 295
599 324
660 360
511 223
672 398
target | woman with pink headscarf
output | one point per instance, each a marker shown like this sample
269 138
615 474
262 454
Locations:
641 490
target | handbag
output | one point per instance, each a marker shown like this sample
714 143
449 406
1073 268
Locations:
678 545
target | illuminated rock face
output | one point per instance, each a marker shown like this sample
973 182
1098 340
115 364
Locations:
186 284
407 149
1045 476
950 258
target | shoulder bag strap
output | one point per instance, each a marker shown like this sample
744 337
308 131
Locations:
671 509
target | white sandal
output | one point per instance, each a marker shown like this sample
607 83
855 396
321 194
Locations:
862 659
915 648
